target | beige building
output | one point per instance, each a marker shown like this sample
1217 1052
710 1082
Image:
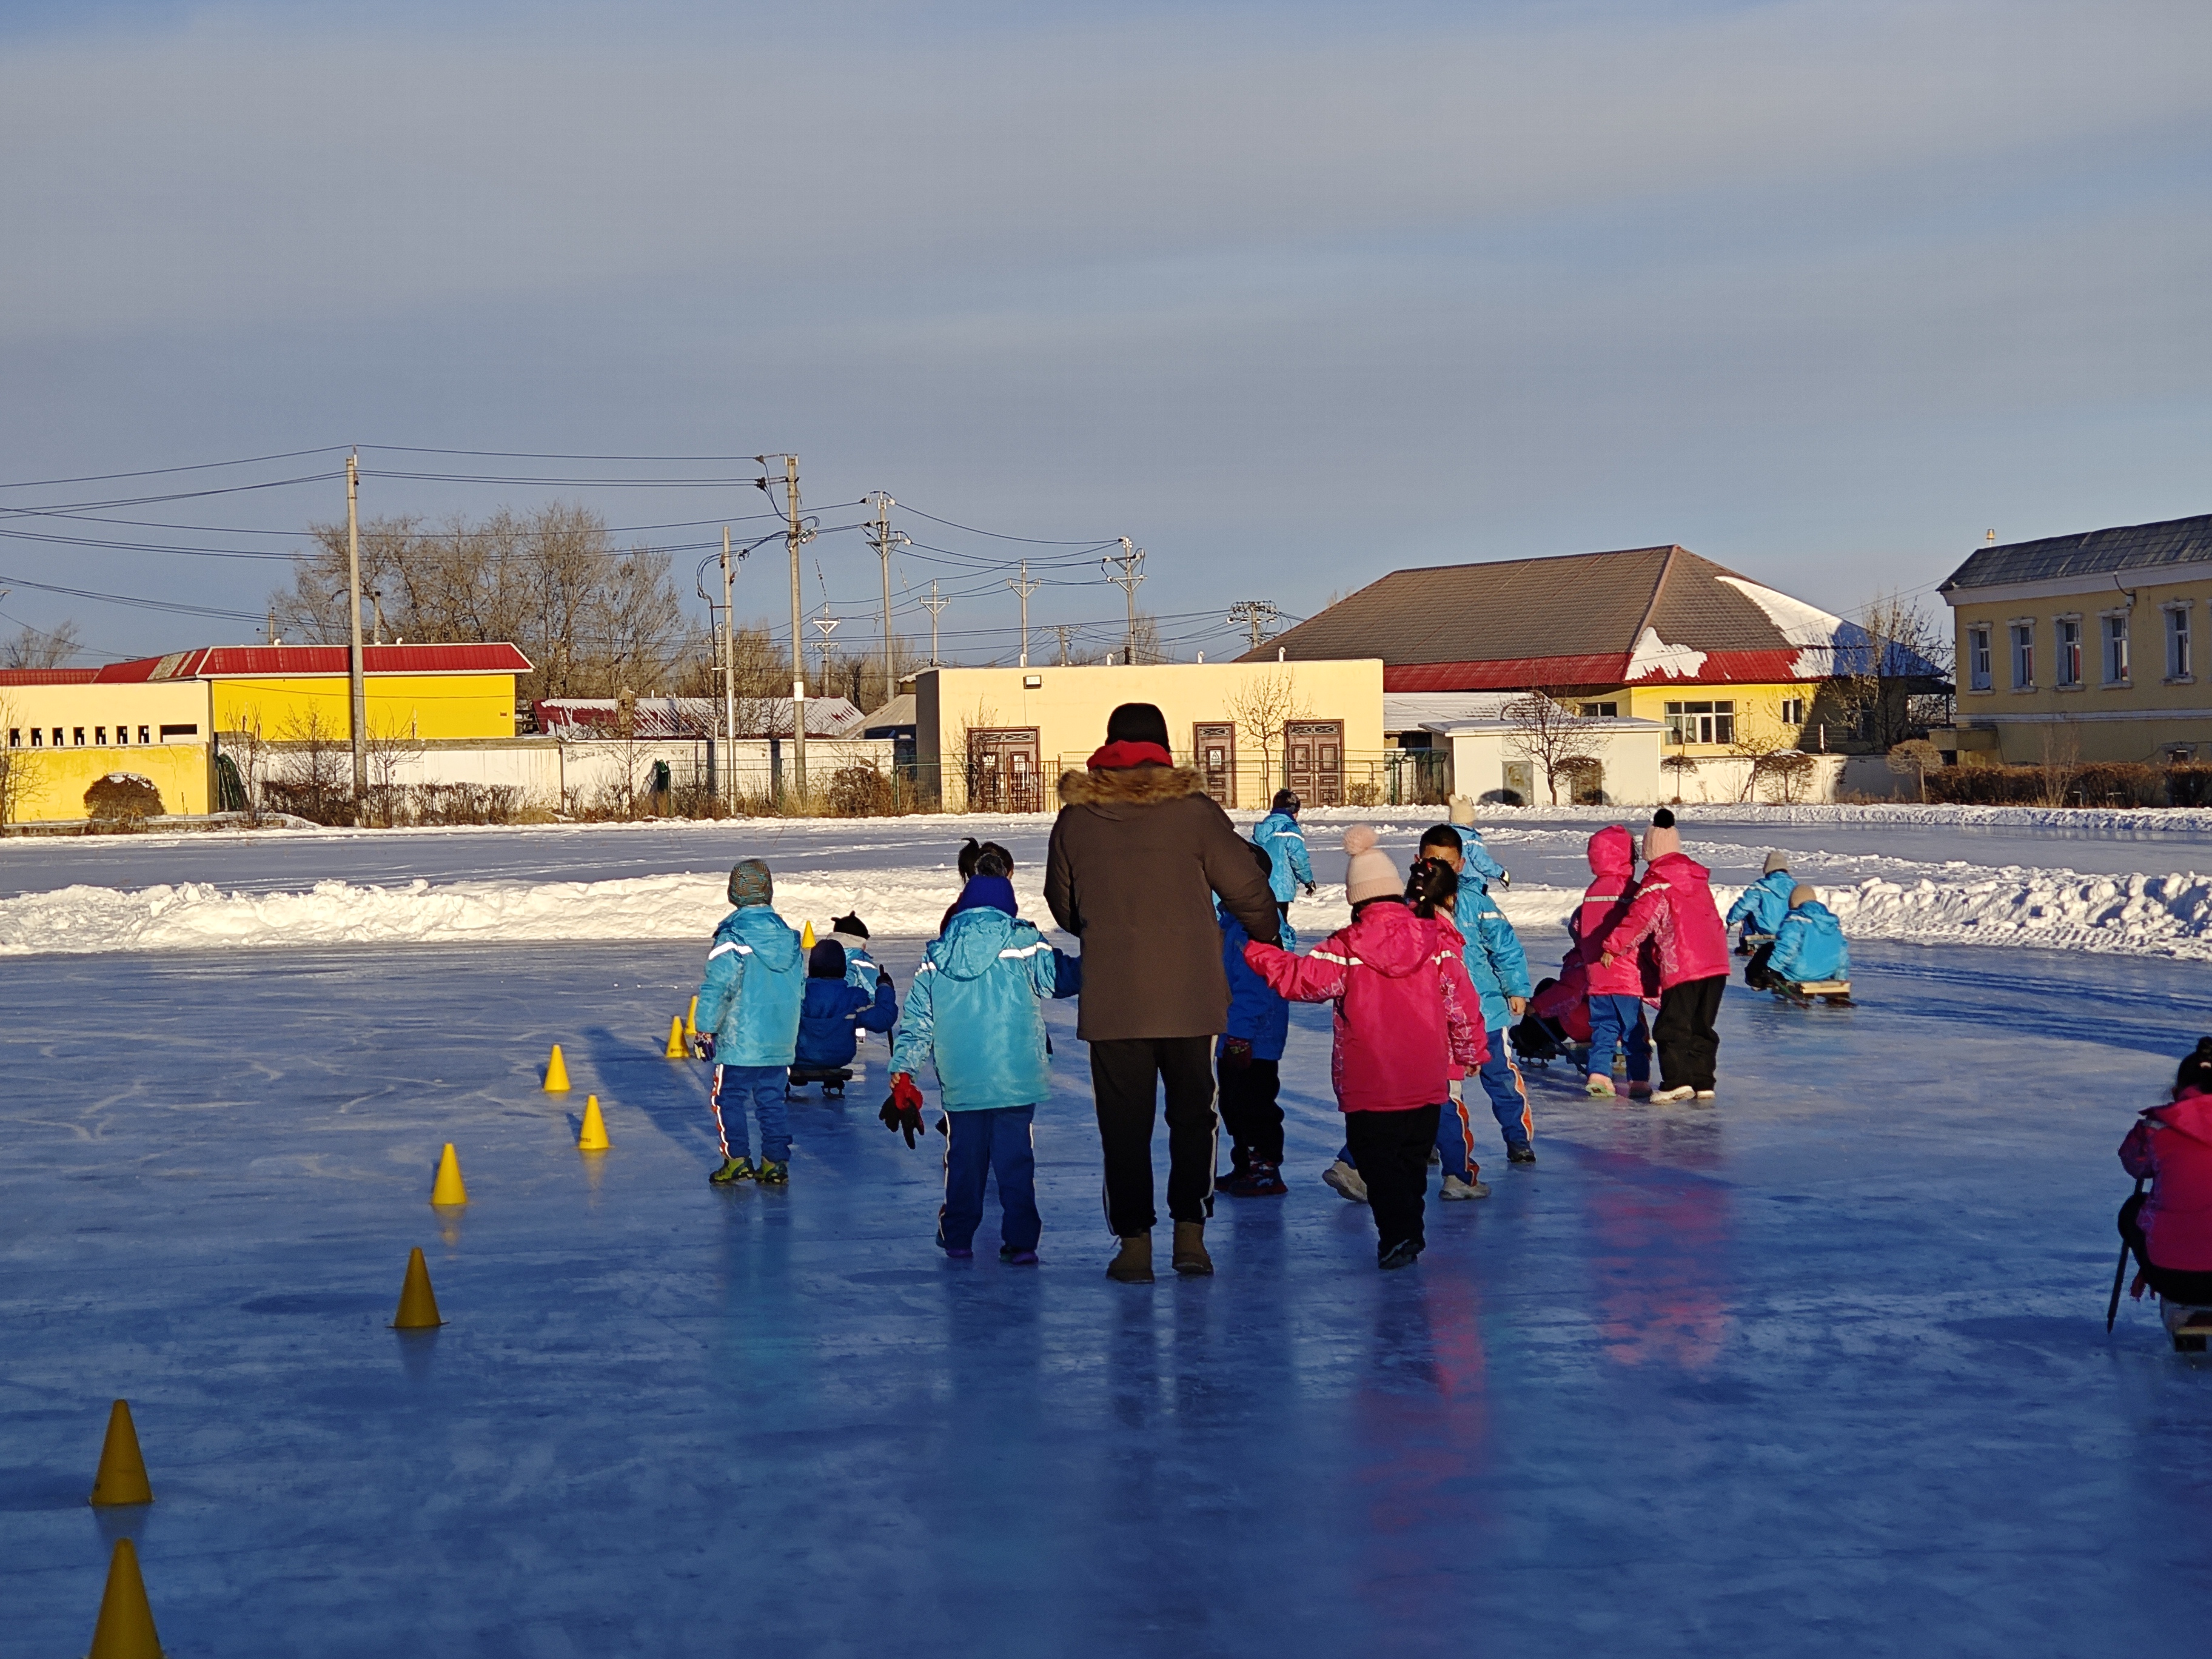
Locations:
2086 647
997 739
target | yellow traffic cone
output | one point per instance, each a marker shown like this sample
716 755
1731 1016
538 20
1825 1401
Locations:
806 937
447 1187
677 1048
556 1074
121 1477
594 1136
418 1303
125 1627
691 1019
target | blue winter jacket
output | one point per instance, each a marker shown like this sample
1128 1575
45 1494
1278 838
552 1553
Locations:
1810 947
1495 961
756 978
861 969
1764 903
1285 843
1486 868
834 1013
1255 1013
972 1012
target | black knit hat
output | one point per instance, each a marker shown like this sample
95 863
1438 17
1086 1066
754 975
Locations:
1137 722
850 926
1286 801
826 960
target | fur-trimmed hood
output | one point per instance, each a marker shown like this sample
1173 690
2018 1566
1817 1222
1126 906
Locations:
1130 786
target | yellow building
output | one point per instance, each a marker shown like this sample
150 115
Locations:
997 739
165 718
2086 647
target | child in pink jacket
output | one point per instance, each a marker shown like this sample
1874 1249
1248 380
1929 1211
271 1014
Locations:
1616 988
1406 1013
2169 1228
1674 907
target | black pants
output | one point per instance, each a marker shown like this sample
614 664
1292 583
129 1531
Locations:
1391 1149
1249 1113
1689 1047
1126 1073
1755 972
2192 1289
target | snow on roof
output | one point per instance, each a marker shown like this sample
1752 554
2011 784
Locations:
1412 711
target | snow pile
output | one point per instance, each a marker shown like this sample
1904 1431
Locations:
2054 909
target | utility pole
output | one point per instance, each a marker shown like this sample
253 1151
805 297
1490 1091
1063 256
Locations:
1063 629
272 624
797 536
885 540
729 684
1023 586
933 605
1258 615
1131 562
828 625
359 686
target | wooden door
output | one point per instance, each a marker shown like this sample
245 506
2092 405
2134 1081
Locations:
1003 770
1313 765
1215 746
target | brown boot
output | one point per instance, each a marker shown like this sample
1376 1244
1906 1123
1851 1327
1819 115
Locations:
1190 1256
1134 1264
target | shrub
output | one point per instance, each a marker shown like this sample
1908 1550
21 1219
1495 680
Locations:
122 801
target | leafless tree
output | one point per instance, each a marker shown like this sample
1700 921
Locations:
1684 767
1263 707
14 768
1886 667
1918 757
2061 765
1554 736
38 647
390 750
317 766
251 752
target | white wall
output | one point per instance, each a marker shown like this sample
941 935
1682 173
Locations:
1628 750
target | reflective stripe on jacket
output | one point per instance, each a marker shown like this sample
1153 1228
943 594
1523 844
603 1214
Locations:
756 978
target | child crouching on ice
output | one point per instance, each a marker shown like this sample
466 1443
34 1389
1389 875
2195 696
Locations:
972 1012
1406 1013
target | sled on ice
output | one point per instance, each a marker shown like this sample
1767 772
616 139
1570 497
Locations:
1799 993
2187 1326
833 1080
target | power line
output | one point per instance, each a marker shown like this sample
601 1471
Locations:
143 604
158 472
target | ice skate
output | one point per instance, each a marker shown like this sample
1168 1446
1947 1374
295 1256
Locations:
1456 1188
1345 1180
2188 1326
733 1172
1599 1086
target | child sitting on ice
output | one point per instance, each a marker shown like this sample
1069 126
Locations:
2169 1229
1405 1012
748 1005
834 1013
972 1012
1248 1059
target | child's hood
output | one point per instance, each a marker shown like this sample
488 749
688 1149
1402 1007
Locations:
1815 910
976 940
1391 939
2190 1116
774 946
1679 868
1612 852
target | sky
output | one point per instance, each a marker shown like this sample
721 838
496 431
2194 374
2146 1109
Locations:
1291 296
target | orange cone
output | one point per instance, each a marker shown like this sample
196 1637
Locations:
125 1628
121 1477
418 1303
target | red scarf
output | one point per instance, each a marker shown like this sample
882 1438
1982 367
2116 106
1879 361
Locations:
1115 756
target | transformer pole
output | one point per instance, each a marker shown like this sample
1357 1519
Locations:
357 682
1023 586
886 541
729 684
933 605
797 537
1131 562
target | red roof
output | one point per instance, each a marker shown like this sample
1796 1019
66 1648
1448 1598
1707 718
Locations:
235 661
1611 668
48 676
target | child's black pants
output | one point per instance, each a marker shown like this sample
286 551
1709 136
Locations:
1392 1152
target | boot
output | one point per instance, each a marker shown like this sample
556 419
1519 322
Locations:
1134 1264
1190 1256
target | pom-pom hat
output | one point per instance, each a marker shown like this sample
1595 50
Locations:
1369 873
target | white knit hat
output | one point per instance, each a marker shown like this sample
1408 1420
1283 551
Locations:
1369 874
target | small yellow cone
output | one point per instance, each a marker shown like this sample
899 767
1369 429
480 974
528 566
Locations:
121 1477
125 1628
677 1048
806 937
556 1074
691 1019
447 1187
418 1303
594 1136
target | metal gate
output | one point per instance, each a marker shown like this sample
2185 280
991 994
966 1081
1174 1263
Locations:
1216 746
1313 765
1003 775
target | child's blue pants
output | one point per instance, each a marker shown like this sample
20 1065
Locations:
762 1087
993 1142
1617 1022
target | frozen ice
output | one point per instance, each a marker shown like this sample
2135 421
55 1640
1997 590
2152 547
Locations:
1820 1369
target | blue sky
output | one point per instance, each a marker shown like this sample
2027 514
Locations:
1290 295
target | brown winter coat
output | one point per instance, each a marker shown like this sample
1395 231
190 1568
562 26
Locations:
1137 854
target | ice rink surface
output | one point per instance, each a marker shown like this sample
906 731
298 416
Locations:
1820 1369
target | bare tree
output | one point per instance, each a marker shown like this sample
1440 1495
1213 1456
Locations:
1888 668
1552 736
1264 705
14 769
2062 765
38 647
391 751
1684 767
316 762
1918 757
251 752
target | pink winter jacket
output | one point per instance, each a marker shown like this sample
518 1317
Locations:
1674 907
1405 1011
2172 1145
1605 901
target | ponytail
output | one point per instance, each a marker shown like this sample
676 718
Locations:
2196 1071
1433 885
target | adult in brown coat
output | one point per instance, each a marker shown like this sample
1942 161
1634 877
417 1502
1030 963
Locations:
1138 853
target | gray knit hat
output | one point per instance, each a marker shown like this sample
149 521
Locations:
1775 861
750 884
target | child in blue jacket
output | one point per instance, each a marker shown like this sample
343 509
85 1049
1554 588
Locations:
1247 1061
1499 967
1761 906
1809 947
1285 843
749 1006
832 1014
972 1012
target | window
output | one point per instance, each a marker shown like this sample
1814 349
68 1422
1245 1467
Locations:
1605 711
2115 648
100 737
1978 657
79 730
35 735
2023 656
1701 722
143 738
168 732
2177 642
1793 711
2068 630
15 737
57 736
